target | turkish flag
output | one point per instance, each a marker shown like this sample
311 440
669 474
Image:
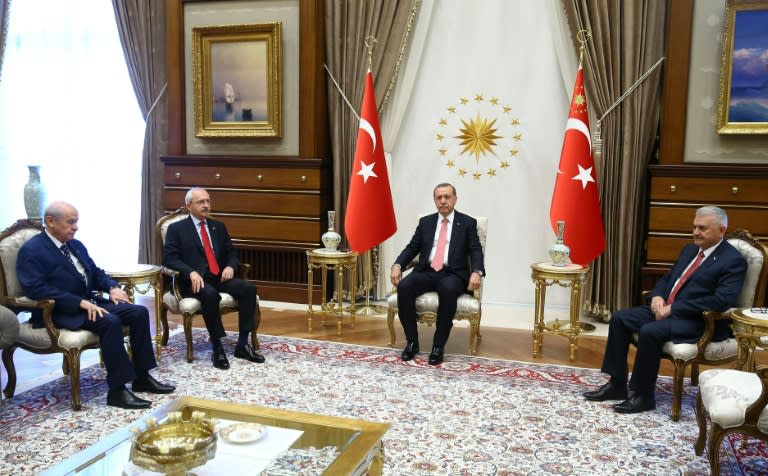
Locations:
576 199
370 215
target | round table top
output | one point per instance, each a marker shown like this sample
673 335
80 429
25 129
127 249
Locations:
756 316
331 253
569 269
133 270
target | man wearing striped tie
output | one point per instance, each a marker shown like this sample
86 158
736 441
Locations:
450 263
707 275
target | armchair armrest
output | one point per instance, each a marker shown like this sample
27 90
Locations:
709 326
172 274
25 303
753 411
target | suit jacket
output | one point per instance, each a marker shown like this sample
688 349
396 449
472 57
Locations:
465 254
714 286
183 250
45 273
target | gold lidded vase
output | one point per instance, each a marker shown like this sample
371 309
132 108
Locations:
331 239
559 253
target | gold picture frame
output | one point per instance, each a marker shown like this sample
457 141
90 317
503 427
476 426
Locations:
743 78
237 79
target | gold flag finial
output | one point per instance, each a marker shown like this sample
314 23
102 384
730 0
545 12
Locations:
370 42
583 36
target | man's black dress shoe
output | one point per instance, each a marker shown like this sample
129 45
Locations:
123 398
219 358
150 385
635 404
248 353
436 356
411 349
609 391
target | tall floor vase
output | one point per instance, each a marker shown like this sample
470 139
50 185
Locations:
34 195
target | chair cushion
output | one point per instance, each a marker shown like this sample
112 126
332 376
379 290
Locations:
39 339
714 350
727 393
9 327
466 303
192 305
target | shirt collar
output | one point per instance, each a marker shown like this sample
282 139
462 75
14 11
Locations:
56 242
450 217
711 249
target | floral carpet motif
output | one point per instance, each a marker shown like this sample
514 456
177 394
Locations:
469 416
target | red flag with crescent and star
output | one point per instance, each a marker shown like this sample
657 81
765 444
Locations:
576 199
370 215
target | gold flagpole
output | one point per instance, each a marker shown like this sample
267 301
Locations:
367 259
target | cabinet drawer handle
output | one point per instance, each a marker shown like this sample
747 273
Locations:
734 190
217 176
672 188
303 178
259 177
178 175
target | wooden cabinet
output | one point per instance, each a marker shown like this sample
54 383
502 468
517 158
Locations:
676 191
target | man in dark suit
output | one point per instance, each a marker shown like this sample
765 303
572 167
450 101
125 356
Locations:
201 250
53 265
707 275
450 263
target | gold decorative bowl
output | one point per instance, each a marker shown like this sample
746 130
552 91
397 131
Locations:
176 445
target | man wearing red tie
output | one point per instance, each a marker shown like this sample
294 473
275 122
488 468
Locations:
450 263
707 275
201 250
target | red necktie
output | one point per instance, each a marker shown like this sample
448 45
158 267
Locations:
437 261
213 266
685 277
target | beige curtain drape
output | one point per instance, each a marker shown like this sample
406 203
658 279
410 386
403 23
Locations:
627 39
141 24
348 24
5 6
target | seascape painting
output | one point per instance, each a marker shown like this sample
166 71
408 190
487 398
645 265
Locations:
749 72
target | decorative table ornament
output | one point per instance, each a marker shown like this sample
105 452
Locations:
34 195
331 239
559 253
175 446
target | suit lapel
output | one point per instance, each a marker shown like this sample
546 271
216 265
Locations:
192 231
68 265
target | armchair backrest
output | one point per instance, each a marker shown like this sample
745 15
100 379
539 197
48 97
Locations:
756 254
167 220
11 241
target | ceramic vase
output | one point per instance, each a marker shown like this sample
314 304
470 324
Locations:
34 195
559 253
331 239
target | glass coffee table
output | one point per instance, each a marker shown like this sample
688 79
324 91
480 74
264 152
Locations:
340 446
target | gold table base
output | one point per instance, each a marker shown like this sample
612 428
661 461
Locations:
337 262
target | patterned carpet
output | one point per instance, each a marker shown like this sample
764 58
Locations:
471 416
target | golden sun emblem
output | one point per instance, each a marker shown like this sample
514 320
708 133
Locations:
480 137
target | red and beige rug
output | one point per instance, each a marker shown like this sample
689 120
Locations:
470 416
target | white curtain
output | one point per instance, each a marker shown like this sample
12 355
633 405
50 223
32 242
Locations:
67 104
515 51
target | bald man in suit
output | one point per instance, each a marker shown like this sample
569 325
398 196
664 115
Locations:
452 269
707 275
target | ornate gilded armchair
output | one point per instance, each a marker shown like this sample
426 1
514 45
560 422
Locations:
704 351
469 306
733 401
45 340
189 307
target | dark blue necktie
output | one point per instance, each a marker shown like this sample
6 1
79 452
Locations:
65 249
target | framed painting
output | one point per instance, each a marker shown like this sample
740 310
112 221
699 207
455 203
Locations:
237 79
744 70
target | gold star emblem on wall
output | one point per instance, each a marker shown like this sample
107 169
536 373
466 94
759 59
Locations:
476 139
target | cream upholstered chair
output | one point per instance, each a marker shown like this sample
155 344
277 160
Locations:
734 402
704 351
190 307
45 340
9 329
469 306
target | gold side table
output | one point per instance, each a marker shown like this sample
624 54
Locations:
132 278
750 327
573 276
337 262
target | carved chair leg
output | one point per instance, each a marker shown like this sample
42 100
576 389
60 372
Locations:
695 374
677 389
715 440
164 323
188 336
391 325
10 369
256 322
73 361
701 420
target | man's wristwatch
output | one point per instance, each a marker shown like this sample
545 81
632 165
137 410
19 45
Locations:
482 275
